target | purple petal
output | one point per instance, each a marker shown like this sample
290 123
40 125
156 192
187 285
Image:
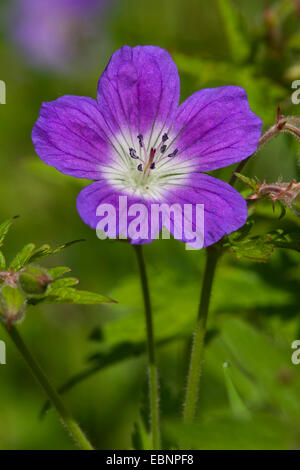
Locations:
69 135
101 192
139 91
225 210
215 127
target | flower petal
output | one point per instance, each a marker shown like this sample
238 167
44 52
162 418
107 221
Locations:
215 127
101 192
225 210
138 92
71 135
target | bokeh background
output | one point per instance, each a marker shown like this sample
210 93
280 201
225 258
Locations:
255 308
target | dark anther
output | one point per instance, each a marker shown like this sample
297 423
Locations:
140 138
165 137
163 148
132 153
152 166
173 154
140 167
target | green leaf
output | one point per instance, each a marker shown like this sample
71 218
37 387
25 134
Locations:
238 407
140 437
22 258
4 228
63 282
235 31
258 359
43 250
69 295
259 248
220 431
46 250
250 182
107 357
284 239
252 248
2 261
58 271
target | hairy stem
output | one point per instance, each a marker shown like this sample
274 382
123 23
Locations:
153 378
67 420
199 336
212 256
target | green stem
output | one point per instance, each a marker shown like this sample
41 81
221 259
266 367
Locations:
199 336
210 267
53 396
153 378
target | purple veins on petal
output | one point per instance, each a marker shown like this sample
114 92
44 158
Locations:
138 106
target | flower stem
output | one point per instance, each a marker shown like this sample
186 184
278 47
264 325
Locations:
153 378
53 396
198 345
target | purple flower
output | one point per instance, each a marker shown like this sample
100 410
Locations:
49 31
136 141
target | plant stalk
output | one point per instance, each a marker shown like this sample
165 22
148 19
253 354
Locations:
66 418
153 376
199 336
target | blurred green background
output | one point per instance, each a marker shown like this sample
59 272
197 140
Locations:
255 308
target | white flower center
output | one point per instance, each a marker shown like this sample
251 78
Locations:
145 169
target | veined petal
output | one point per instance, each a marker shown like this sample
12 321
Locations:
71 135
100 193
215 127
138 93
225 210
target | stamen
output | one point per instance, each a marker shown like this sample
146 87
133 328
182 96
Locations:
162 147
152 166
141 142
140 167
173 154
140 138
133 154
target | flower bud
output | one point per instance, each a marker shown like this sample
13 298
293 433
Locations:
34 280
12 303
288 193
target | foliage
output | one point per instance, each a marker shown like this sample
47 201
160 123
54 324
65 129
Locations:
100 347
22 282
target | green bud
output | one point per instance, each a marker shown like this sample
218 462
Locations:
34 280
12 304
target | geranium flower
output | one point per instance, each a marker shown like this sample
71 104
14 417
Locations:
49 31
136 141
